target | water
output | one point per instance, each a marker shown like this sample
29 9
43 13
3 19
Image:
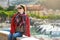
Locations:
44 28
50 28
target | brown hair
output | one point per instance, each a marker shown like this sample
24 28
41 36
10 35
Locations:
21 7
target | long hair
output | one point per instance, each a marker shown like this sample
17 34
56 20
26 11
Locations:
22 7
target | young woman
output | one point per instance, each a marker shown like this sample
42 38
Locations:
20 24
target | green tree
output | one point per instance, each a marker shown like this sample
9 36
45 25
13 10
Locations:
1 8
10 8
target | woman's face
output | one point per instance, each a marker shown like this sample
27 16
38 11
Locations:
20 9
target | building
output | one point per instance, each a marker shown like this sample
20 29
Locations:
4 3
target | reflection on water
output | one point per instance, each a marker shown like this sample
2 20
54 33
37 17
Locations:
46 27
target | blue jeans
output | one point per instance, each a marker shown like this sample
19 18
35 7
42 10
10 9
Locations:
13 36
